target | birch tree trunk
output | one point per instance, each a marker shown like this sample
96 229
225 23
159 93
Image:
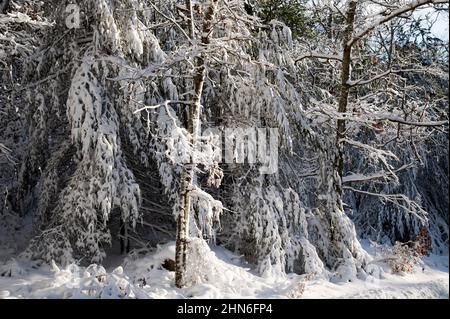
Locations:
193 126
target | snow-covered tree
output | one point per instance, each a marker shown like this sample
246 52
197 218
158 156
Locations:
380 112
211 121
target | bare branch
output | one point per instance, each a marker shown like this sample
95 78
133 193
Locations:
384 17
380 76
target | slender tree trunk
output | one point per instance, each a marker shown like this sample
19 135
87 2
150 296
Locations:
124 239
344 91
193 123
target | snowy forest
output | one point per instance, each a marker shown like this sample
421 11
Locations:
224 149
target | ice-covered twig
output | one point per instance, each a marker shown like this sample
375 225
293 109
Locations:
165 104
318 55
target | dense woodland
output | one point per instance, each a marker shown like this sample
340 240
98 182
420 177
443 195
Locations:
103 105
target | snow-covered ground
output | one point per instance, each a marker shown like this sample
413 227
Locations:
431 282
226 276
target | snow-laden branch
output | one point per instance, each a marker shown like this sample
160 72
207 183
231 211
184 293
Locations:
19 17
364 178
399 200
375 153
369 148
318 55
398 119
380 175
202 195
363 82
323 112
151 107
384 17
380 76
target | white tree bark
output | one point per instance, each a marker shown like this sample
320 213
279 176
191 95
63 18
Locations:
188 176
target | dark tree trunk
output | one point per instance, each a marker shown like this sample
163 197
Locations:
124 240
344 91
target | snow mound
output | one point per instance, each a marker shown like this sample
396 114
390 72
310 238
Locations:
213 274
217 273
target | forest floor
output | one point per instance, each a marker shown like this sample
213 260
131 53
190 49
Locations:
226 276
